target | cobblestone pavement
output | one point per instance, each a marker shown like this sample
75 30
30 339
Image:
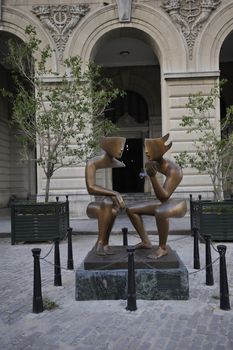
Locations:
197 323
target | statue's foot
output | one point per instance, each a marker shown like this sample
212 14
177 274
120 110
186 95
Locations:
99 249
158 253
143 245
103 249
108 250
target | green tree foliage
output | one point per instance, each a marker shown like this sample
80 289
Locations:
213 147
64 117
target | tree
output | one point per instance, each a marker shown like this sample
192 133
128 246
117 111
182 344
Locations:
214 146
64 119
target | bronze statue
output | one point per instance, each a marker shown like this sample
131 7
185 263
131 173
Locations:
106 210
155 149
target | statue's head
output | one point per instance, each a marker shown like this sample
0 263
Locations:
155 148
113 146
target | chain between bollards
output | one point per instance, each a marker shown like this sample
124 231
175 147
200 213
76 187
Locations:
224 291
125 236
131 292
37 295
70 262
196 258
209 266
57 264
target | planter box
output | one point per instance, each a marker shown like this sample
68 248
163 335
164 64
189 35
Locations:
214 218
34 222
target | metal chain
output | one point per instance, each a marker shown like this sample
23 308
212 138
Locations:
41 258
203 268
61 267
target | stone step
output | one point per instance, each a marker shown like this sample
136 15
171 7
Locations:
130 198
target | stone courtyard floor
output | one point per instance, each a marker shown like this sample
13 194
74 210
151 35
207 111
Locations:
197 323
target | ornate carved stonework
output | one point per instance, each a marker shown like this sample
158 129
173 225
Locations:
60 21
124 10
190 16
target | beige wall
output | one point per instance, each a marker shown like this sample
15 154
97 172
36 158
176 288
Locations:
180 74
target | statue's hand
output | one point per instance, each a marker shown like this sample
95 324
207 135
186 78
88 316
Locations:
151 168
119 200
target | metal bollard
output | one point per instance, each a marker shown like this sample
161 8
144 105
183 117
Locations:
224 291
37 296
196 258
125 236
131 292
57 264
70 262
208 262
57 199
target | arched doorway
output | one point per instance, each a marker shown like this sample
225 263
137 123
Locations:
17 177
226 72
128 59
130 109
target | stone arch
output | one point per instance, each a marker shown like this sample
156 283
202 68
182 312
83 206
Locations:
157 28
15 22
144 89
211 40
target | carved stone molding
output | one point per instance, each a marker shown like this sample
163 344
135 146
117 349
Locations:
124 10
190 15
60 21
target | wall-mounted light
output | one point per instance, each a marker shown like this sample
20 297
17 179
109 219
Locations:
124 53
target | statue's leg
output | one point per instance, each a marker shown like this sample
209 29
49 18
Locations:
106 220
135 215
104 213
111 223
169 209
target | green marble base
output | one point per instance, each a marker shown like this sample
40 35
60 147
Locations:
152 283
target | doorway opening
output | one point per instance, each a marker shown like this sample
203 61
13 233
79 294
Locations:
128 180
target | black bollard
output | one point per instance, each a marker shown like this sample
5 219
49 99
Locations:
224 291
191 211
37 296
57 199
196 258
70 262
131 293
208 262
125 236
57 264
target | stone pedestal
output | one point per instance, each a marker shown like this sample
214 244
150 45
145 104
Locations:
105 277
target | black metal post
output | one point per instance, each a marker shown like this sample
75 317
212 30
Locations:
125 236
199 197
196 258
191 211
131 292
37 295
70 262
57 199
224 291
57 264
208 262
67 209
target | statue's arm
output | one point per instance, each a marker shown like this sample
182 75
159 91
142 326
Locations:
173 178
98 190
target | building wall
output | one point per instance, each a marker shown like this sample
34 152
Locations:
186 65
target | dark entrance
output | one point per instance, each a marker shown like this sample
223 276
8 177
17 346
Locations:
127 179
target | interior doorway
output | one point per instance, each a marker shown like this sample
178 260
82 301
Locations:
128 180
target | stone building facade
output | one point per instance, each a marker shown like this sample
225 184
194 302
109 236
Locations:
159 51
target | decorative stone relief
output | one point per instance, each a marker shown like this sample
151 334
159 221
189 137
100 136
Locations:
190 15
60 21
124 10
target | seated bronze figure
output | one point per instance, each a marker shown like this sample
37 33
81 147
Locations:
168 208
106 210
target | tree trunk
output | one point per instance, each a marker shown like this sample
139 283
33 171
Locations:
47 189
